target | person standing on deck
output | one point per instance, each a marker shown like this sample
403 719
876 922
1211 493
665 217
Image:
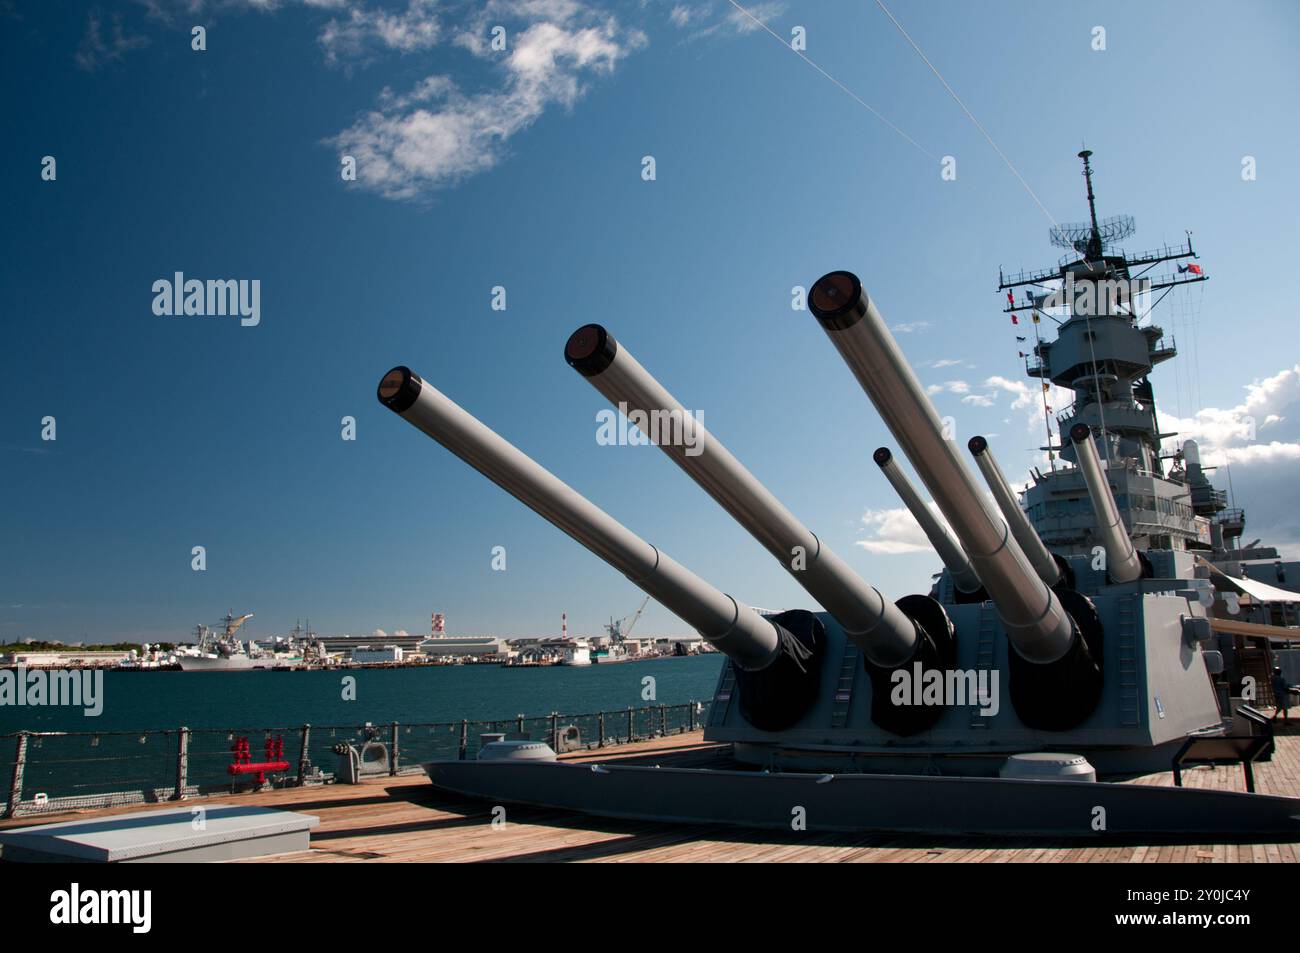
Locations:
1281 695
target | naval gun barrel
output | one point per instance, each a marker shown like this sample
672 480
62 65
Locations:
949 550
1043 562
748 639
887 636
1039 628
1122 563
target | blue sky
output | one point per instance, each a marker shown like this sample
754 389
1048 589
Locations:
522 168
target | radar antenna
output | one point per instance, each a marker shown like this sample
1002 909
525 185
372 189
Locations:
1092 238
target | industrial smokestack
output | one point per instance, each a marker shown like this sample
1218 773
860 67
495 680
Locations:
949 550
1122 561
1039 628
749 640
887 635
1043 562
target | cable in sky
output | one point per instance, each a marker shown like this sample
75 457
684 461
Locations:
854 96
969 114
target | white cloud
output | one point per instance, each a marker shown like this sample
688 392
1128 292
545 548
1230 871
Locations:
950 387
681 15
164 9
475 35
909 326
1268 411
1256 443
757 11
443 130
892 532
367 28
437 135
168 10
1255 453
96 49
1024 397
1018 389
895 531
553 10
714 16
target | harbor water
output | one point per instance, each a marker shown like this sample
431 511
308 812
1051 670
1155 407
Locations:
436 693
425 713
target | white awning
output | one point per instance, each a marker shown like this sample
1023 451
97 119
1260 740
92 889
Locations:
1251 587
1262 590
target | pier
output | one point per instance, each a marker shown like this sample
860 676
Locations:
401 818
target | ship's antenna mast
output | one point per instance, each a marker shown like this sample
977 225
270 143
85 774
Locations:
1094 239
1094 254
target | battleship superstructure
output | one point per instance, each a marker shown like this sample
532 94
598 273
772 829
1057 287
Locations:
1104 353
1056 648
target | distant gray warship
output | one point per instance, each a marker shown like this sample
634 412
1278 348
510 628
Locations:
1057 652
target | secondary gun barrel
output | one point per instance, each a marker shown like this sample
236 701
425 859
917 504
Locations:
747 638
887 636
1021 528
1039 628
1122 561
949 550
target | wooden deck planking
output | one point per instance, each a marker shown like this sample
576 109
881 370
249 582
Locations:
403 819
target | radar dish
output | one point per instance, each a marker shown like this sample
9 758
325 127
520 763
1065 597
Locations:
1076 236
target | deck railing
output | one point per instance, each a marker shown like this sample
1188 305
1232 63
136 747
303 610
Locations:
60 771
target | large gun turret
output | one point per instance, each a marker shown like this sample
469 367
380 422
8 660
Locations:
1043 561
777 660
1122 562
1061 683
964 579
886 635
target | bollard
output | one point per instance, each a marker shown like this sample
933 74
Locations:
393 752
